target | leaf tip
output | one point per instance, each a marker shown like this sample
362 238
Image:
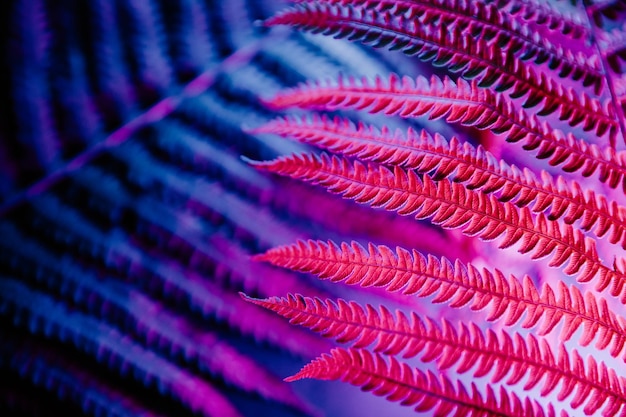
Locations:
252 162
246 297
294 378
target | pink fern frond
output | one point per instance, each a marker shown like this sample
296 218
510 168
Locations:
530 12
490 23
457 284
397 381
451 205
467 347
461 162
467 104
459 52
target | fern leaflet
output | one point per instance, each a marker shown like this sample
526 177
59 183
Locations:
458 51
461 162
468 347
398 382
451 205
488 22
467 104
457 284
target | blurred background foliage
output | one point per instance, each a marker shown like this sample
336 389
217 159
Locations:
127 216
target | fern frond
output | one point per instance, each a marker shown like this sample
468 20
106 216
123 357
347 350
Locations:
46 367
112 300
530 12
457 284
451 205
397 381
461 162
41 314
454 49
148 43
465 346
489 23
37 133
464 103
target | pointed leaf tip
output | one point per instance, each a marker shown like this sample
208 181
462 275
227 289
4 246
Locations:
249 161
249 299
294 378
272 21
261 302
271 103
245 296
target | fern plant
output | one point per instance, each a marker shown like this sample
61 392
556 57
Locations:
550 77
